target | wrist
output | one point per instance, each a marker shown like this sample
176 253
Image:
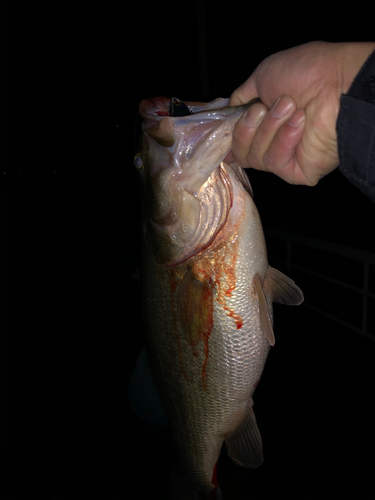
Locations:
354 55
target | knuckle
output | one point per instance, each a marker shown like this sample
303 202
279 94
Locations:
271 161
252 160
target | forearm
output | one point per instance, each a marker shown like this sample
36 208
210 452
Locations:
356 128
353 57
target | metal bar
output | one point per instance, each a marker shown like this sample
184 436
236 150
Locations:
366 267
327 278
352 253
203 59
366 257
288 256
339 321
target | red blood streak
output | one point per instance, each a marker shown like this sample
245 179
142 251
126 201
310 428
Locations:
214 478
237 318
162 113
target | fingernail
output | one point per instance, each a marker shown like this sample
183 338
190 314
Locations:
281 107
254 115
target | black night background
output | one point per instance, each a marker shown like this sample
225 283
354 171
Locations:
71 322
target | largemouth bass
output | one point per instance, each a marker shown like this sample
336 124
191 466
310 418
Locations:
208 288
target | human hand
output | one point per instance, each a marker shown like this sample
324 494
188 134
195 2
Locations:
293 133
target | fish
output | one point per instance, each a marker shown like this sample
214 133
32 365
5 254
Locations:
207 292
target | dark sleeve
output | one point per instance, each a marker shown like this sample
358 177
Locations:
356 130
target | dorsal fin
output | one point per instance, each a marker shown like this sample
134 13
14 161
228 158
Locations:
264 319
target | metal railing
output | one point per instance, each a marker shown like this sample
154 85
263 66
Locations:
366 258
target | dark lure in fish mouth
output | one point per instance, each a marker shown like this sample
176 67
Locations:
178 108
163 106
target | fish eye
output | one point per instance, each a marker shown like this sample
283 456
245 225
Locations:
177 102
138 162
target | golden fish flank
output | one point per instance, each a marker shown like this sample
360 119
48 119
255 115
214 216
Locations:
208 289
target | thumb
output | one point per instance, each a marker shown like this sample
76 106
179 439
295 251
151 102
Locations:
244 93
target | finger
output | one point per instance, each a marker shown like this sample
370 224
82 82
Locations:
280 112
293 173
244 93
244 132
297 174
278 158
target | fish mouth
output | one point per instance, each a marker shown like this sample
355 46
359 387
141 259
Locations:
170 120
163 115
156 108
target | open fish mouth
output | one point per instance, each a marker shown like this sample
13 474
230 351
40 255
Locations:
163 116
158 107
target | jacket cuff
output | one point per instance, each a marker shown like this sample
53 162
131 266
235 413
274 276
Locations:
356 130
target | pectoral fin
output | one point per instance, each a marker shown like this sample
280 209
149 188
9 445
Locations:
265 322
244 445
194 302
282 289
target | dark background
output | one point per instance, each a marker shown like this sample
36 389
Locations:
71 215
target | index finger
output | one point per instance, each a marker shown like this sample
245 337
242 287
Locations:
244 93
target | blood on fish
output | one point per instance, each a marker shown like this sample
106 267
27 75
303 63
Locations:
173 284
195 310
214 480
204 373
237 318
210 276
206 334
162 113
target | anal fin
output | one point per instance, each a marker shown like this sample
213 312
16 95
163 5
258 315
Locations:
244 445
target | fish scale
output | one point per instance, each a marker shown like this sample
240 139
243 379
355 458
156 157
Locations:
208 310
